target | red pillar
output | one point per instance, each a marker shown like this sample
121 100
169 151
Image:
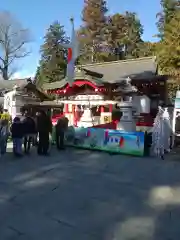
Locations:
74 115
102 109
110 108
66 108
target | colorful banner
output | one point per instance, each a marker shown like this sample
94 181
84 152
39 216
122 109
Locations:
177 103
107 140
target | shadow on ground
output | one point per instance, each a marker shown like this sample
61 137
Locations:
78 194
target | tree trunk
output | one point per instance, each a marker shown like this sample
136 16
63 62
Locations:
5 73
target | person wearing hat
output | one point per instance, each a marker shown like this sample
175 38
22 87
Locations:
17 131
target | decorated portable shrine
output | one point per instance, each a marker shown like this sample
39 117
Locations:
110 105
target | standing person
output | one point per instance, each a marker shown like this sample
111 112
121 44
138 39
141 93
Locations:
44 128
4 132
17 131
35 141
5 115
61 127
29 132
1 111
35 138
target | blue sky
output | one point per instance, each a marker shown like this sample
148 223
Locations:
37 15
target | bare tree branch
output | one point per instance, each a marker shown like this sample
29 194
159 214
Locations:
13 40
22 55
2 59
13 71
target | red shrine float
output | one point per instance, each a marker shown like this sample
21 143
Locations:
103 93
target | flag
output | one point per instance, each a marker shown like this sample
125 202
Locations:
73 53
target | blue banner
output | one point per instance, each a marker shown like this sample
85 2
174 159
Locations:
106 140
177 103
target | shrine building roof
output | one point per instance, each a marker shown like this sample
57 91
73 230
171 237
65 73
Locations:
112 72
22 85
9 84
116 71
82 74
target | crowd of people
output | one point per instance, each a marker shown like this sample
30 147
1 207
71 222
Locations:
31 131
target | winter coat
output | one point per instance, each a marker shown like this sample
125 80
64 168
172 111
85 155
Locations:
44 124
17 130
29 126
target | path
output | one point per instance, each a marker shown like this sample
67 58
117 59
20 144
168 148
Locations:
83 195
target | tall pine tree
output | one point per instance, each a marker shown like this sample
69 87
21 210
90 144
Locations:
91 34
134 31
116 33
53 61
146 49
124 35
169 8
168 49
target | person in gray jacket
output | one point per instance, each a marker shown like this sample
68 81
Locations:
61 127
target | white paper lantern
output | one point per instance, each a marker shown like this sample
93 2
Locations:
145 104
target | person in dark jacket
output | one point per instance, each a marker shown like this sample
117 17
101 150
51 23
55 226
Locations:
44 128
29 131
61 127
17 131
4 133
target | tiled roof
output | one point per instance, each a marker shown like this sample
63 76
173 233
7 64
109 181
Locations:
116 71
9 84
78 76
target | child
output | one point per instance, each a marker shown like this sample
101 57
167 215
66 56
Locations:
17 130
3 136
